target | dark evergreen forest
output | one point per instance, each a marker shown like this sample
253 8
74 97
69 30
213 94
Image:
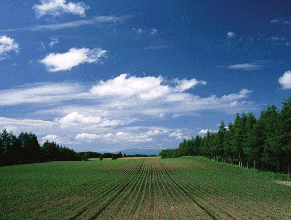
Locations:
263 143
26 149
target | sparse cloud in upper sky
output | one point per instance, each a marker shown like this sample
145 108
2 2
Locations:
7 44
277 21
246 66
72 24
230 34
74 57
285 80
140 31
58 7
54 41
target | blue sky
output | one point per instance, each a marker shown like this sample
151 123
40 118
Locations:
111 75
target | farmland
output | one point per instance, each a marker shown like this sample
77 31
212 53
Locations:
139 188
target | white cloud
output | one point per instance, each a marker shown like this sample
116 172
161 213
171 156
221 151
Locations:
40 93
7 44
156 47
87 136
55 138
150 132
53 27
285 80
57 7
74 57
176 134
146 88
42 44
273 21
54 41
204 131
230 34
233 97
120 86
177 97
107 135
81 121
246 66
140 31
26 125
76 117
154 31
185 84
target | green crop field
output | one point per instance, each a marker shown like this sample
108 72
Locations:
147 188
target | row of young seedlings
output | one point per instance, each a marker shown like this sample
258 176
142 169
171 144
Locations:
32 200
261 196
98 193
140 180
137 196
108 201
190 202
120 198
34 204
84 191
216 211
170 194
205 192
143 193
237 204
201 199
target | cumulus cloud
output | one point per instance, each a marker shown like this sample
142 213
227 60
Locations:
186 84
74 57
79 120
150 132
176 134
54 41
204 131
285 80
76 117
230 34
55 138
127 87
7 44
57 7
145 88
87 136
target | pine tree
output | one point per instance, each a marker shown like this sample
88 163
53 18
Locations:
284 136
249 147
228 140
220 140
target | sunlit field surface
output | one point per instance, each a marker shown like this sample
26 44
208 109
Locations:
147 188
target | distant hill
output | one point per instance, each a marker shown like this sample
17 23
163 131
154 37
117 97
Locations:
141 151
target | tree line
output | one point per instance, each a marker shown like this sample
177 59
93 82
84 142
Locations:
263 143
26 149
